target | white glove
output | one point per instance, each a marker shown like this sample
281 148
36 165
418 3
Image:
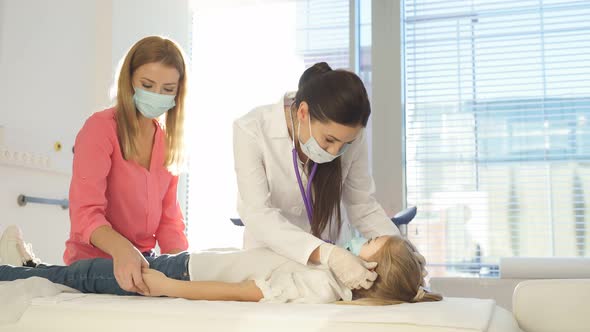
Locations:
352 271
420 259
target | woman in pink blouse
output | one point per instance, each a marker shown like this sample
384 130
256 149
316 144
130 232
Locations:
123 190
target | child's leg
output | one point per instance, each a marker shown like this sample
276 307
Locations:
173 266
87 276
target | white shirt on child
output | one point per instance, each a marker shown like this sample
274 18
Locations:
280 279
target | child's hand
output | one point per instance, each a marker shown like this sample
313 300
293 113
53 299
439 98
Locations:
155 280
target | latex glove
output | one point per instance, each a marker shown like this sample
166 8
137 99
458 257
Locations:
352 271
420 259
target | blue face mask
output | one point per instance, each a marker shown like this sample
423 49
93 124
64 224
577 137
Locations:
151 104
314 151
355 244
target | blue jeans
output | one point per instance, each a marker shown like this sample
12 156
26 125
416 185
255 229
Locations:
96 275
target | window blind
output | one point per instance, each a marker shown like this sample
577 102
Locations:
497 141
323 32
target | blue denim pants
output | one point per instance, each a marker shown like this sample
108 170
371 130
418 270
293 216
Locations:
96 275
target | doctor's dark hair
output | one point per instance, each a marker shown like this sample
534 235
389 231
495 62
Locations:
332 96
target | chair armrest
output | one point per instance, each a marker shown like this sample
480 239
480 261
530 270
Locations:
549 305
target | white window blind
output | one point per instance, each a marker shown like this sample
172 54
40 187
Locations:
497 139
323 32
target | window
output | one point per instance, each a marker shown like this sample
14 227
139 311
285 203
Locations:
245 54
497 102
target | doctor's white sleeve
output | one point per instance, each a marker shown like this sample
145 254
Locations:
263 221
364 212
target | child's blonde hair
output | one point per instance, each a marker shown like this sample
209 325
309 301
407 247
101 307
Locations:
149 50
400 278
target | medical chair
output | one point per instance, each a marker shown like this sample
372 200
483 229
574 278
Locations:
401 220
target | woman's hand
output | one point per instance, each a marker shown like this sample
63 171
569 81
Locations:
156 281
127 264
351 270
419 258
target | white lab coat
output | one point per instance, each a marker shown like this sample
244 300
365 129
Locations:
269 200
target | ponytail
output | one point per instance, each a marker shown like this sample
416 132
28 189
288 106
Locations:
332 96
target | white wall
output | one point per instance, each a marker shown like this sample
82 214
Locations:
47 84
134 19
57 61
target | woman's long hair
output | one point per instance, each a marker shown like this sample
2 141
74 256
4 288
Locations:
332 96
151 49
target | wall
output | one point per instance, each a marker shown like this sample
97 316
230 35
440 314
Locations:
47 69
134 19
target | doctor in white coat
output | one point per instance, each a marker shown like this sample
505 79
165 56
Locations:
316 134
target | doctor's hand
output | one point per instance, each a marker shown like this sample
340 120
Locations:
127 265
351 270
418 256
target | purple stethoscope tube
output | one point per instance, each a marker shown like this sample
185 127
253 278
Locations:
307 200
306 196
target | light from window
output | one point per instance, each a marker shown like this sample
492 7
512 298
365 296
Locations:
497 97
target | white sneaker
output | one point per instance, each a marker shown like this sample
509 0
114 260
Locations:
14 250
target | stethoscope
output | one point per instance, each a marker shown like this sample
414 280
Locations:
307 200
305 195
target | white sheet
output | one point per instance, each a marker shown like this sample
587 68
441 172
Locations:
68 312
16 296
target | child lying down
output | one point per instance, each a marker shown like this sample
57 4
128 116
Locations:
234 275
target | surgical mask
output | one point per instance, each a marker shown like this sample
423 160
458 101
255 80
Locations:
355 244
313 150
152 104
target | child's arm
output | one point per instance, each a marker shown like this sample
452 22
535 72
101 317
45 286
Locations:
160 285
214 290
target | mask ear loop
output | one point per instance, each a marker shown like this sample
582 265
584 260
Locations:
292 124
303 164
309 124
299 127
307 197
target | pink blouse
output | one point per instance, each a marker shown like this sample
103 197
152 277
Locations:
107 190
